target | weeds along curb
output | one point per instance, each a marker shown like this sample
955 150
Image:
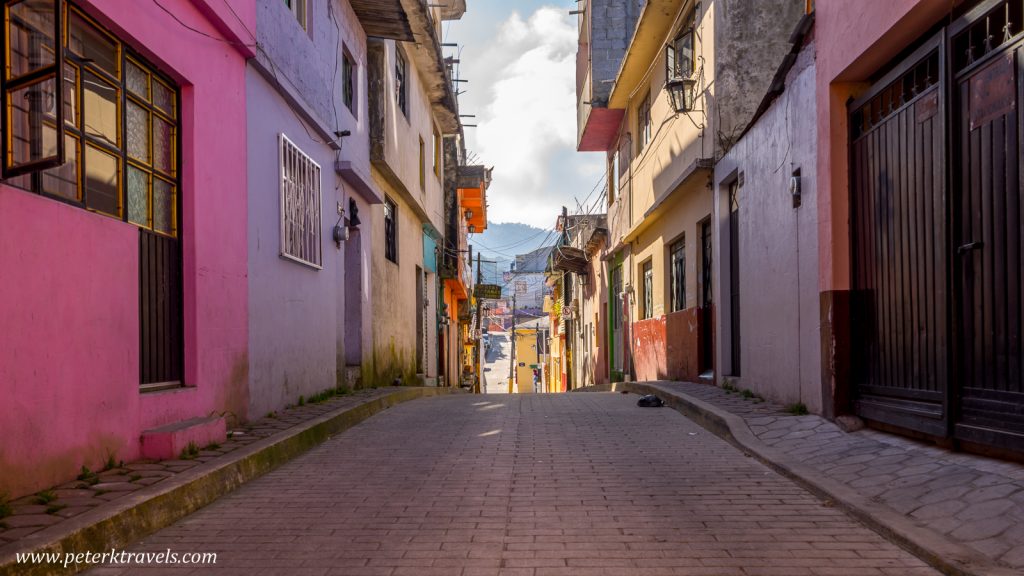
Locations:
941 553
146 511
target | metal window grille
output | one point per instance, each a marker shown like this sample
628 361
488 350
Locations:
300 206
390 230
678 257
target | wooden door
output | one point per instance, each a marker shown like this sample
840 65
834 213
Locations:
988 245
898 212
160 310
707 337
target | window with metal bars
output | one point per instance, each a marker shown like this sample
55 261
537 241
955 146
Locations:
677 284
300 206
390 230
647 298
115 116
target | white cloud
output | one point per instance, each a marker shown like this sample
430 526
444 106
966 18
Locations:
526 117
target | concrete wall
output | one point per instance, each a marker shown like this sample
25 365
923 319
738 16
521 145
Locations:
69 291
609 28
751 39
397 174
394 300
780 336
304 331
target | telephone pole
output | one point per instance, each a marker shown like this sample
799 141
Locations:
512 361
479 349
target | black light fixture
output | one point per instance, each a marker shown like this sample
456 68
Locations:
680 92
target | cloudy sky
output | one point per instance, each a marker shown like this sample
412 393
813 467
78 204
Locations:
519 57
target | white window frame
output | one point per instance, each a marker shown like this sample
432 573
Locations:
301 197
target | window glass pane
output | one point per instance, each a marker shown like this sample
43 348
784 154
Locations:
102 181
101 104
163 98
163 145
138 132
33 134
163 206
137 80
71 95
63 180
30 35
138 196
90 44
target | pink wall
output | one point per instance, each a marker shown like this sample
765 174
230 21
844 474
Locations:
69 278
860 38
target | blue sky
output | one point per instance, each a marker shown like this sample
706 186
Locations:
519 58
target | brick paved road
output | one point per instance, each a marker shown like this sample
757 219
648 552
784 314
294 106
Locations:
533 485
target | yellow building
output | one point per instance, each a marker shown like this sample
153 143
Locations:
530 344
671 103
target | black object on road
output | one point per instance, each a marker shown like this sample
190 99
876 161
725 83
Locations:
650 401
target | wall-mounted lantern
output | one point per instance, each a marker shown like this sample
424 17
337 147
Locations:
469 214
472 229
680 92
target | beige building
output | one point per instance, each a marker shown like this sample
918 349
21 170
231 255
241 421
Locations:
412 108
663 118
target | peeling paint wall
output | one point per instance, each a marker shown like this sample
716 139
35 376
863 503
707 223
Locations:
780 337
751 38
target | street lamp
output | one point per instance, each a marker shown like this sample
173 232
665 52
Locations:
680 92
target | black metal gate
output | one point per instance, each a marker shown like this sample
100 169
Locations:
987 227
898 216
160 309
937 241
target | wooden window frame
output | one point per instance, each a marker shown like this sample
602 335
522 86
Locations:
33 181
52 72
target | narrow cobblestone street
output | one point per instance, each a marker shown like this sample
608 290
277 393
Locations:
526 485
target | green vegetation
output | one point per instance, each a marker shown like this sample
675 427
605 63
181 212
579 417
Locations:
212 446
189 452
45 497
88 476
54 508
797 409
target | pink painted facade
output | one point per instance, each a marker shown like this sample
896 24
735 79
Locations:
69 278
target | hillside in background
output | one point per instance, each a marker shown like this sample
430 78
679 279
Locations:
500 244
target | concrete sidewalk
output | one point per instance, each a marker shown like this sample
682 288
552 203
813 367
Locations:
964 514
109 509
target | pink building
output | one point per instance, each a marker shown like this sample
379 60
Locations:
123 297
919 216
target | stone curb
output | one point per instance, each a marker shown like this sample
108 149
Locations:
148 510
940 552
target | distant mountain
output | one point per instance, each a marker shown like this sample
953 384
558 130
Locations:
500 243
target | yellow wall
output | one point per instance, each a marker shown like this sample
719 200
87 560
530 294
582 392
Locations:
651 175
526 352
